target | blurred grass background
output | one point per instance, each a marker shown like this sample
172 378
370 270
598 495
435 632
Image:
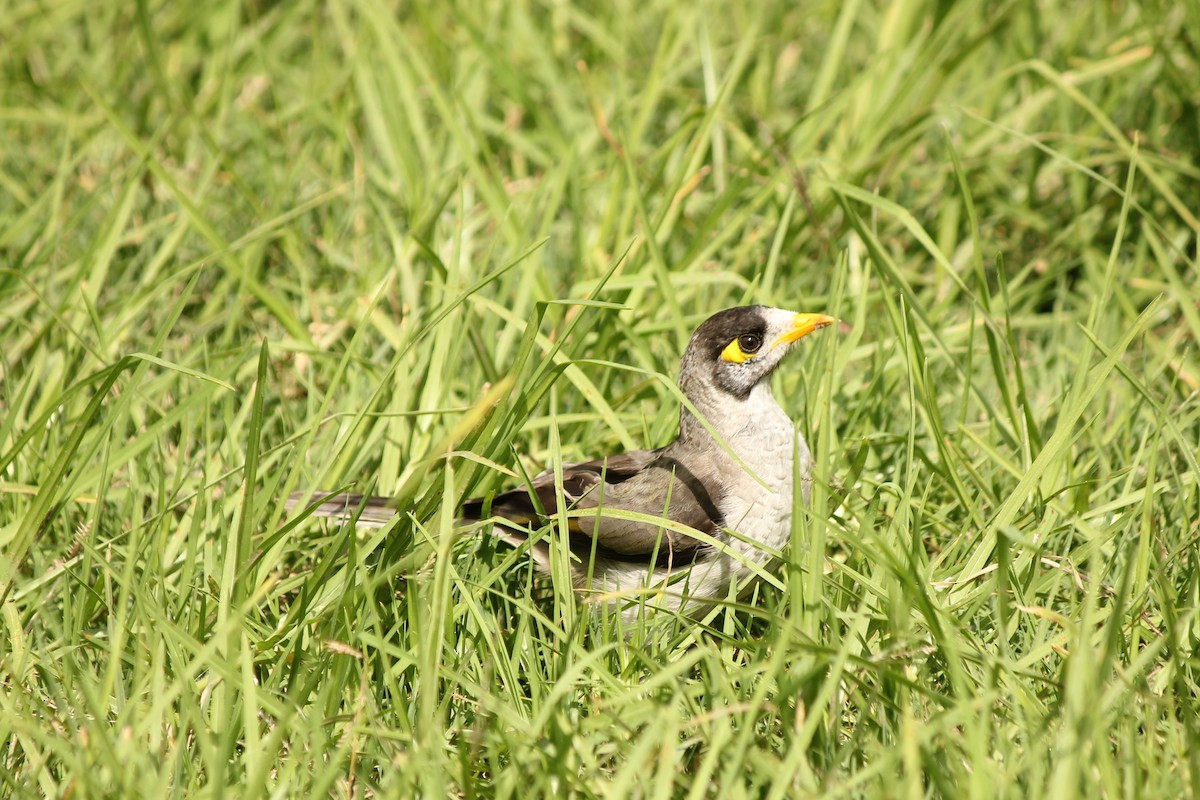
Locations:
424 248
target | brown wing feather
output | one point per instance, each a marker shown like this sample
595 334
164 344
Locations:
649 482
579 478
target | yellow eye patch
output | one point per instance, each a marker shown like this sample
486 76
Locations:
734 353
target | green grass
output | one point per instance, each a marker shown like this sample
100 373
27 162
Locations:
425 249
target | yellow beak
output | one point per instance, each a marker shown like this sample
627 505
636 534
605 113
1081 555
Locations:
803 325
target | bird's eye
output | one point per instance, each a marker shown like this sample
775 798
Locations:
749 342
742 349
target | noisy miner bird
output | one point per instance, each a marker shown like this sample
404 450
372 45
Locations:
731 481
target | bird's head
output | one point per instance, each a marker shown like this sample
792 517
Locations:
737 349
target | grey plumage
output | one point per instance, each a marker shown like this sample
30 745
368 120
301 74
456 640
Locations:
741 511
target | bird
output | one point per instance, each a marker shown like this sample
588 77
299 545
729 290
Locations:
672 528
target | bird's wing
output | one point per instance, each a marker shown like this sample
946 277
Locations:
518 505
648 482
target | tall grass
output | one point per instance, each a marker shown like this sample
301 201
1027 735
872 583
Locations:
428 249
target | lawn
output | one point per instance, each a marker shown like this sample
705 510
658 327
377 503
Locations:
429 249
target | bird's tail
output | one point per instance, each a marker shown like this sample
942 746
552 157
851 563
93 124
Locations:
366 511
373 511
